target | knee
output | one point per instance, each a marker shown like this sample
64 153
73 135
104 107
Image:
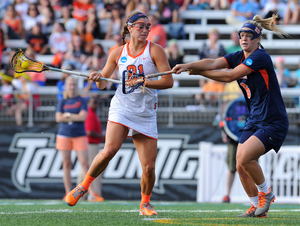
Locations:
149 170
107 154
67 164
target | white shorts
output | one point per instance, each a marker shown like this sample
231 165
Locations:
137 124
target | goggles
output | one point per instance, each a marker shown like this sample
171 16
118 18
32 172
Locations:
141 25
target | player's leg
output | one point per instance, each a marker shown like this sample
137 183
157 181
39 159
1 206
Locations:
115 135
251 174
147 150
67 165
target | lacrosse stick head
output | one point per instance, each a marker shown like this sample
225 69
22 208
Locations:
21 63
131 81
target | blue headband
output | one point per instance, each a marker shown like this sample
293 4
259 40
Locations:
254 30
135 17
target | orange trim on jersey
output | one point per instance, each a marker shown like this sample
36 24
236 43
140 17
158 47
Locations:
226 61
139 53
132 129
248 67
265 75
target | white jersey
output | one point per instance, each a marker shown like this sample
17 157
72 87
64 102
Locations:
136 110
136 103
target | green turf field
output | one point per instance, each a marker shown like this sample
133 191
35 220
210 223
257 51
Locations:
52 212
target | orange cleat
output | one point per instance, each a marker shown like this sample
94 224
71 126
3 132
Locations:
74 195
147 209
95 198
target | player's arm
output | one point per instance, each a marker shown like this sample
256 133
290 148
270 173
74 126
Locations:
201 65
227 76
108 69
160 59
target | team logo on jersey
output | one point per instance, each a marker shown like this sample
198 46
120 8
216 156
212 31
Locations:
249 62
123 59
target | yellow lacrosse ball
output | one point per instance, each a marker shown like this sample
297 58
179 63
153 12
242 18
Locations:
25 65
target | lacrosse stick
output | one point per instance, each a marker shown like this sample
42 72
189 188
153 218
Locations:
131 80
21 63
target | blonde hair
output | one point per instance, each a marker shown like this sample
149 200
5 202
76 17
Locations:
268 24
65 93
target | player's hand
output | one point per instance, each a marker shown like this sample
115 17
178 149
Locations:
180 68
95 76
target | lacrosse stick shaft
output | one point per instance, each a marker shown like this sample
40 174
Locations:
159 74
81 74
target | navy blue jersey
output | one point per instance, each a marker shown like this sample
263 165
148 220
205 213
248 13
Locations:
72 105
261 91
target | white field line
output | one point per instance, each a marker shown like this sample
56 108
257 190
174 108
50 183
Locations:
127 211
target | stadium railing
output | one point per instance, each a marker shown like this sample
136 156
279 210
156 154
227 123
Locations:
175 106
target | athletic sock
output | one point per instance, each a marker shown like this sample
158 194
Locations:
87 181
254 201
263 187
145 198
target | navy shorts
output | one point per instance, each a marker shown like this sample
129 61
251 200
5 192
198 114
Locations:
270 140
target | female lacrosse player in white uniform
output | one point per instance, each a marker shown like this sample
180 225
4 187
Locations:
132 114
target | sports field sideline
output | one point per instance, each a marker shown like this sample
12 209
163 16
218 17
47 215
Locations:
53 212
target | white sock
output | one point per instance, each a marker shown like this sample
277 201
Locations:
254 201
263 187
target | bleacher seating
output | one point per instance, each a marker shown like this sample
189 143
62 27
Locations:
197 33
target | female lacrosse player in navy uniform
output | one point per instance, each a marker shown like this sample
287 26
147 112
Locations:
132 114
267 124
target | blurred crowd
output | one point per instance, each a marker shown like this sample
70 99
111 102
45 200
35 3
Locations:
68 30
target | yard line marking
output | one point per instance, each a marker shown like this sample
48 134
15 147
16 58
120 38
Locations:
126 211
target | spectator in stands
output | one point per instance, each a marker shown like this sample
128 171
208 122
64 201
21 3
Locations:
157 34
231 91
211 92
87 38
168 11
195 5
26 88
116 22
38 78
13 24
143 7
32 17
274 6
297 76
36 40
235 46
80 9
175 56
6 90
94 133
21 7
69 22
71 112
241 11
292 13
92 25
283 74
76 54
96 61
2 45
59 41
48 18
118 40
61 83
212 47
220 4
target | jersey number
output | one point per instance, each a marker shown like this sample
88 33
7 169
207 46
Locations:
136 70
246 88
